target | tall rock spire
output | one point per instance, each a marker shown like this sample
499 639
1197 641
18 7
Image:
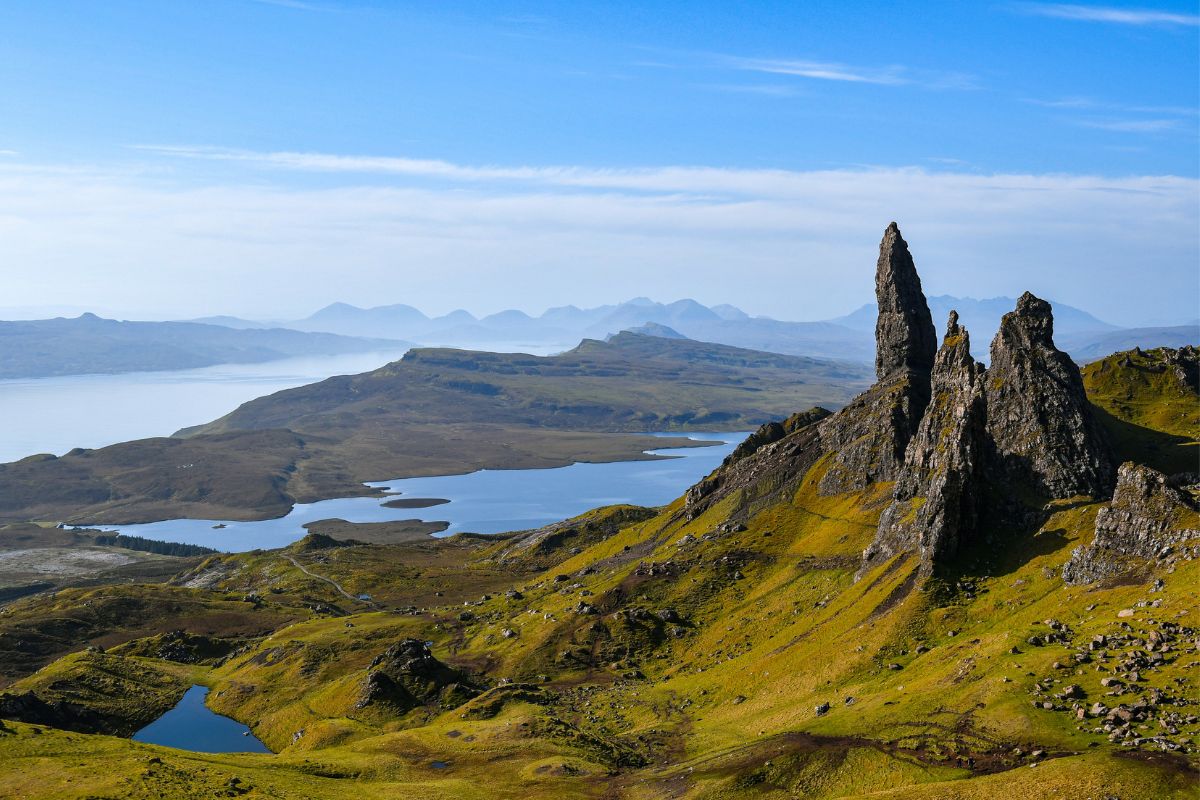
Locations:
870 434
1044 433
904 333
934 503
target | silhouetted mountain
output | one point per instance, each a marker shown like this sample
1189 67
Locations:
850 337
91 344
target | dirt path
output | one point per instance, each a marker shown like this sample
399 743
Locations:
330 581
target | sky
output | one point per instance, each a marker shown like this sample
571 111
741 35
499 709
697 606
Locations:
264 158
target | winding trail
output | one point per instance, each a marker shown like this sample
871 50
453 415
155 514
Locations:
330 581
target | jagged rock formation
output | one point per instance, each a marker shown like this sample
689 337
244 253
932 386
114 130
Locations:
904 334
407 675
936 496
1149 522
869 436
1039 420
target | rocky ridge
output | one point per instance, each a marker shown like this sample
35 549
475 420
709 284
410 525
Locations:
407 675
869 436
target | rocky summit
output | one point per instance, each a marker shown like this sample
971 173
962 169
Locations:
1042 427
904 333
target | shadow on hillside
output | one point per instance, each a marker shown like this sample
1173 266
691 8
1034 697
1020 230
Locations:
1001 551
1164 452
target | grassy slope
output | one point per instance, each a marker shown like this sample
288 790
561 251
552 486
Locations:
1151 415
721 703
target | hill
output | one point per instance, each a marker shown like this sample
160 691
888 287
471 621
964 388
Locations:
436 411
90 344
913 597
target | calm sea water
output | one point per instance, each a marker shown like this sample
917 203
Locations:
191 725
488 501
52 415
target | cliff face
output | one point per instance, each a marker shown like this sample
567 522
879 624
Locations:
1039 419
935 499
869 436
1148 524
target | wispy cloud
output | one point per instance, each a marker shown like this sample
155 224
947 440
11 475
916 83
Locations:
890 75
1089 104
1132 125
1120 16
823 70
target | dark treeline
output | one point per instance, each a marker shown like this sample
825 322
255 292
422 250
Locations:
154 546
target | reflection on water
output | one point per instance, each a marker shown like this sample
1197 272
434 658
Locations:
488 501
191 725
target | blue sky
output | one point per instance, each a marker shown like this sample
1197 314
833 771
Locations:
253 153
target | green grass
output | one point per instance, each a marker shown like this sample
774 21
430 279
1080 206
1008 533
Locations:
661 656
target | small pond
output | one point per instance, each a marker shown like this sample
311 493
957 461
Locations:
191 725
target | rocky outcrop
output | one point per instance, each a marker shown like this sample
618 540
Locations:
407 675
904 334
869 436
772 432
1149 524
1044 434
765 470
935 499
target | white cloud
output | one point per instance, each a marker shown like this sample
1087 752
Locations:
1121 16
793 245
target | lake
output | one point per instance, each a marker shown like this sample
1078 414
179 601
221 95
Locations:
53 415
191 725
488 501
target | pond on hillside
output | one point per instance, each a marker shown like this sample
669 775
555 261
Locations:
487 501
191 725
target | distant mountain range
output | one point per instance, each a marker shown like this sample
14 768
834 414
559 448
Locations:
849 337
90 344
